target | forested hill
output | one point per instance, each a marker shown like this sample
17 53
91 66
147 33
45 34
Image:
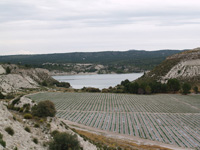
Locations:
140 59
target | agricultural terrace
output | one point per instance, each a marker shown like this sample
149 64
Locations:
168 118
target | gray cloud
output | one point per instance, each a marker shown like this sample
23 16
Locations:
45 26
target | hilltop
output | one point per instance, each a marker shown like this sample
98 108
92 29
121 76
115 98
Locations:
93 62
184 66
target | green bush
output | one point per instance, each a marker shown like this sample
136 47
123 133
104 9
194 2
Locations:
54 133
16 101
36 125
35 140
10 96
186 88
8 70
14 118
41 121
15 148
2 142
1 96
44 109
10 131
27 129
64 141
196 90
28 116
44 83
173 85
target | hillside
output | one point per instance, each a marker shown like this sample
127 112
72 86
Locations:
19 78
35 139
184 66
110 61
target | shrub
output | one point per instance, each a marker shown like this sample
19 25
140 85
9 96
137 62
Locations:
8 70
186 88
62 84
1 96
28 116
2 142
21 109
16 101
10 96
36 125
173 85
41 121
1 136
63 141
27 129
44 109
44 83
148 89
54 133
35 140
14 118
10 131
91 89
196 90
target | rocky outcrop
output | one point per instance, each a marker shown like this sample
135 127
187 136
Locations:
22 78
184 69
22 139
2 70
184 66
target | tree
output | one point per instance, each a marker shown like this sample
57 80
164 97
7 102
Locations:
1 96
140 91
186 88
148 89
44 109
133 87
64 141
173 85
125 82
196 90
44 83
8 70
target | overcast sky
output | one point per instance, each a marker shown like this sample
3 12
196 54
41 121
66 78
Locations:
54 26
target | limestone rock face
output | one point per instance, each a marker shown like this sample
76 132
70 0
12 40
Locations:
22 78
21 139
184 66
15 82
184 69
2 70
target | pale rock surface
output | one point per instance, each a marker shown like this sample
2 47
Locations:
24 100
14 82
184 69
2 70
21 138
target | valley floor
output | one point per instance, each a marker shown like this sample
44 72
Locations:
167 120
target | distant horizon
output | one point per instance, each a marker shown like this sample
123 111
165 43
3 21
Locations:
98 51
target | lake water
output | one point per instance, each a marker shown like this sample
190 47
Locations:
98 81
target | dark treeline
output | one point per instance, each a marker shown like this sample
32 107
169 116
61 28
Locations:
152 87
139 58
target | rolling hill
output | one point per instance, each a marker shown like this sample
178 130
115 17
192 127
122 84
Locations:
113 61
184 66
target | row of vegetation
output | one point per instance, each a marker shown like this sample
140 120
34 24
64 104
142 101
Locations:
143 87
